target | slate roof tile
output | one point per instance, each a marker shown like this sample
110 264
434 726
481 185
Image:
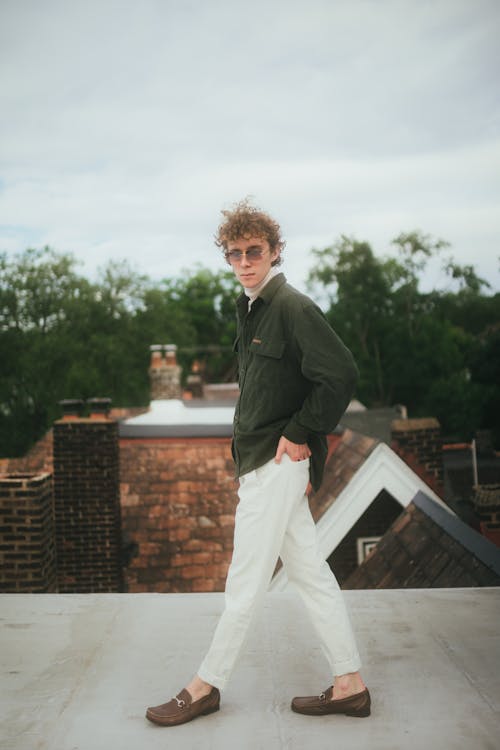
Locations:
345 456
427 547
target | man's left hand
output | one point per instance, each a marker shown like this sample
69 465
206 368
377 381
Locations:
297 452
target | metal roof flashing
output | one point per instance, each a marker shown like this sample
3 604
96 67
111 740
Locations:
478 545
176 418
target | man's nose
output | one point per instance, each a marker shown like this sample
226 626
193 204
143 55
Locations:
244 260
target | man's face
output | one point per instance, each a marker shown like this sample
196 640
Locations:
250 259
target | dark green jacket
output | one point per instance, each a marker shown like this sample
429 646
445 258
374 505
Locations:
296 377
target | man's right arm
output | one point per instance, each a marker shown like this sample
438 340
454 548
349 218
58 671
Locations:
330 368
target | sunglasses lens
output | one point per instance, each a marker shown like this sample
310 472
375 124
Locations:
252 255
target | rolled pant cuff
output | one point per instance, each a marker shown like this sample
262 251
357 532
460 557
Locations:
211 678
347 666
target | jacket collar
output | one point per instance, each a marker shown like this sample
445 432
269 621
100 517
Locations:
265 295
272 287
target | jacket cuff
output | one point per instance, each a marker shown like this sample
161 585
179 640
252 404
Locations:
295 433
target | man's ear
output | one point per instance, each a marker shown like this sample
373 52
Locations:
275 254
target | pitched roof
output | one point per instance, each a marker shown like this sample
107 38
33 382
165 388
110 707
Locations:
346 453
357 472
428 547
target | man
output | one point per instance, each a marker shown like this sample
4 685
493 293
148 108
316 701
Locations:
296 379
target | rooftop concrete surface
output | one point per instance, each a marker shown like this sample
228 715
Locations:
78 670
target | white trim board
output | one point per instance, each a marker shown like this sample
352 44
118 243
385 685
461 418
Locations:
382 470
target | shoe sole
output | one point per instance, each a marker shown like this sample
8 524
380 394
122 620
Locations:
159 722
361 713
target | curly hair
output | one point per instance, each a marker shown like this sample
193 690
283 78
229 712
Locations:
244 221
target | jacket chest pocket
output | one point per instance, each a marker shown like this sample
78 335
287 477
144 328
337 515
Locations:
267 360
272 349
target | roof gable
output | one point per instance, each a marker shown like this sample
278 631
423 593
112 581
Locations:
382 469
427 547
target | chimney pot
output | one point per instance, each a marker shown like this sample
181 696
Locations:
99 407
72 408
156 355
170 354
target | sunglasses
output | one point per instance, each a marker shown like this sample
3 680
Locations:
253 254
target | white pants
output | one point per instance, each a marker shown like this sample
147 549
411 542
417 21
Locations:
273 520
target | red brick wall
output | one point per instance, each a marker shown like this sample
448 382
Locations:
178 500
418 442
87 505
27 539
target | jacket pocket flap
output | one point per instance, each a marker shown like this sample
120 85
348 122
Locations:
273 349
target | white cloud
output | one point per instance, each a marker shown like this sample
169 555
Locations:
131 124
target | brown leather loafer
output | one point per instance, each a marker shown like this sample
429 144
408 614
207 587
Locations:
320 705
182 708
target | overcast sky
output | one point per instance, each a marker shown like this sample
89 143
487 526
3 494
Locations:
127 125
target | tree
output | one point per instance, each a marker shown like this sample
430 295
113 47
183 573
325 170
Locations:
202 303
358 287
35 289
414 348
484 368
62 336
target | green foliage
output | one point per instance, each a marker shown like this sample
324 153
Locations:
204 303
62 336
434 352
484 366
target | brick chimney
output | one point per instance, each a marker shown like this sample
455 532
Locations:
87 502
164 372
27 537
418 442
194 382
486 499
